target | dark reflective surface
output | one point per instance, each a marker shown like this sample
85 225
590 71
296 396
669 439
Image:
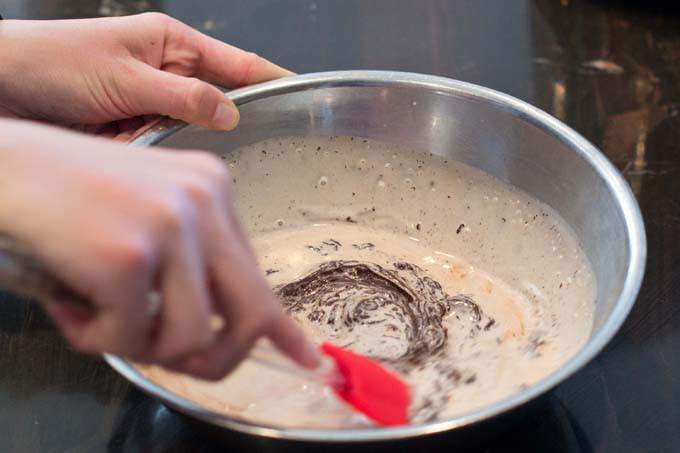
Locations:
609 69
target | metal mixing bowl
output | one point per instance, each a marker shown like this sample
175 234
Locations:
496 133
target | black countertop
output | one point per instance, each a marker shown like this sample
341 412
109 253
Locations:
611 70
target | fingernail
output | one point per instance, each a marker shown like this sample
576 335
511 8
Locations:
226 116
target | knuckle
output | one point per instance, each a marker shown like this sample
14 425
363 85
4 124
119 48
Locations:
167 214
157 18
126 256
249 62
196 95
199 191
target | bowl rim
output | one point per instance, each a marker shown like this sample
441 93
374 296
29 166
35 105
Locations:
613 179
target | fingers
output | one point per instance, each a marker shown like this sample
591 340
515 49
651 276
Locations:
237 304
232 67
187 51
184 326
159 220
282 331
175 81
124 322
230 348
184 98
245 301
216 61
234 342
291 341
119 324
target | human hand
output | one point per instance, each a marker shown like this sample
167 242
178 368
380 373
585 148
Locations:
119 223
112 75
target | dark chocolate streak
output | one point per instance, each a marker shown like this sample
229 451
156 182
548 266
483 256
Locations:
404 301
346 293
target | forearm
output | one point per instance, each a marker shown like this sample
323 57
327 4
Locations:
18 141
10 70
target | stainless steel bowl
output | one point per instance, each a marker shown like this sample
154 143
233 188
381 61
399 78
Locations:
496 133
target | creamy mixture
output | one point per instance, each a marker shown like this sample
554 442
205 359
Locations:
468 288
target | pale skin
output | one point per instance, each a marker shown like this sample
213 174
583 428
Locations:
116 223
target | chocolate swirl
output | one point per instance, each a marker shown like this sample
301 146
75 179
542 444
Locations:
393 315
407 307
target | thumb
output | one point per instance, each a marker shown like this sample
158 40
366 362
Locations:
183 98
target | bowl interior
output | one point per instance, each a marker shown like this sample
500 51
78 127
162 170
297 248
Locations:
495 133
490 136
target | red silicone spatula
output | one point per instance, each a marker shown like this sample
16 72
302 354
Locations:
359 381
370 388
